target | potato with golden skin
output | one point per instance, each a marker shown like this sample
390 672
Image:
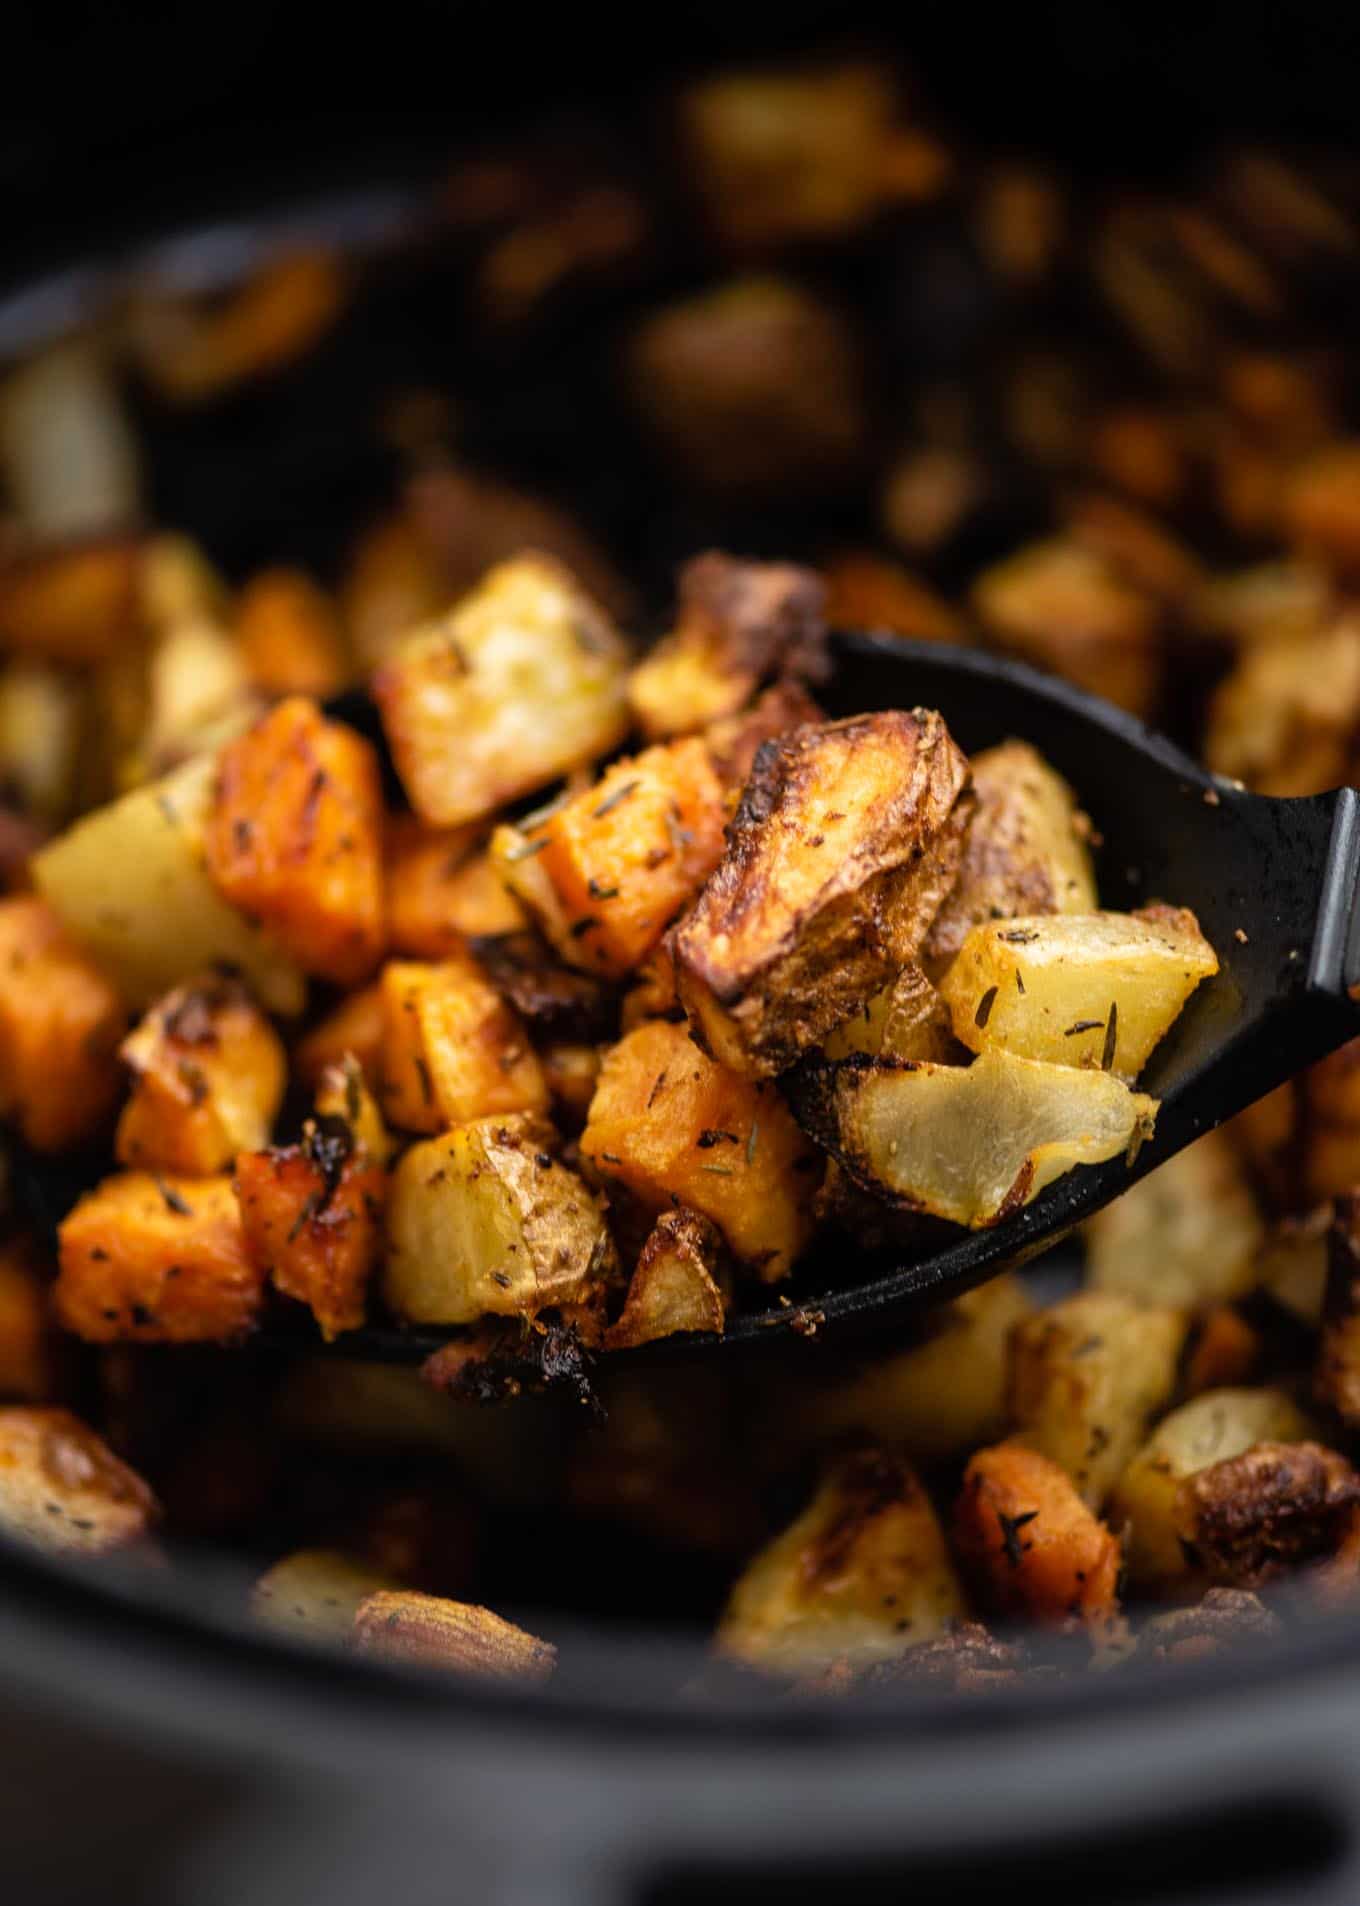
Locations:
313 1595
154 1259
452 1049
63 1489
208 1075
669 1125
1248 1519
522 681
677 1283
60 1023
735 741
1033 1547
428 1631
846 841
863 1574
907 1020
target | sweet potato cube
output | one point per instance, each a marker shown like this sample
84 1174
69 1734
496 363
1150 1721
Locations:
522 681
628 854
1031 1544
846 841
442 890
311 1215
677 1283
295 838
152 1259
28 1357
674 1127
62 1487
289 635
355 1027
452 1049
208 1073
60 1023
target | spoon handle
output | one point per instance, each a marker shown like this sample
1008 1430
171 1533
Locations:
1334 966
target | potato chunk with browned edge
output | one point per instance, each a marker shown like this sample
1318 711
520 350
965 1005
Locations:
1187 1235
862 1575
452 1049
522 681
157 1260
1026 850
1247 1519
208 1073
907 1020
739 624
314 1594
60 1023
295 839
1033 1547
671 1126
847 838
427 1631
677 1283
485 1220
62 1487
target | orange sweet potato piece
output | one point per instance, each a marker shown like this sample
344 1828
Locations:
71 605
1032 1545
60 1024
312 1218
295 839
157 1260
289 635
442 890
453 1050
355 1026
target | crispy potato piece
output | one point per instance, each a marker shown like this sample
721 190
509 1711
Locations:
289 635
1284 720
864 591
356 1027
198 696
1207 1430
71 605
311 1216
1061 606
1321 509
735 741
846 840
60 1023
1086 1377
739 624
208 1074
862 1575
907 1020
452 1049
936 1398
1032 1545
677 1284
522 681
1026 850
426 1631
484 1220
1336 1380
626 855
63 1488
152 1259
1186 1235
968 1143
441 889
1081 989
1247 1519
295 839
130 882
271 319
673 1127
29 1360
314 1594
555 1001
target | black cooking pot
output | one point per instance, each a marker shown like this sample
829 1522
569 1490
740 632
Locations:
152 1748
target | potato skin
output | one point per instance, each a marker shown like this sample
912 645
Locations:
311 1215
60 1023
157 1260
676 1284
1248 1519
452 1049
735 741
295 839
1032 1545
63 1488
427 1631
846 840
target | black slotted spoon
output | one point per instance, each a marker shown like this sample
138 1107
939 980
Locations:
1274 884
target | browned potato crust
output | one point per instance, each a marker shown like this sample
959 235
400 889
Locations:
426 1631
1249 1518
63 1488
846 840
735 741
677 1284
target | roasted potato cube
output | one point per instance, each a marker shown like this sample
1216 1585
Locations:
442 890
739 624
968 1143
907 1020
40 738
311 1216
1207 1430
554 1001
1061 606
289 635
153 1259
1337 1376
628 854
452 1049
1186 1235
1267 603
522 681
71 605
60 1023
1245 1519
29 1365
485 1220
1026 850
197 697
131 884
846 840
208 1073
735 741
677 1284
314 1595
1322 509
355 1027
295 839
1284 720
862 1575
1086 1377
62 1487
1083 989
426 1631
1032 1545
673 1127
